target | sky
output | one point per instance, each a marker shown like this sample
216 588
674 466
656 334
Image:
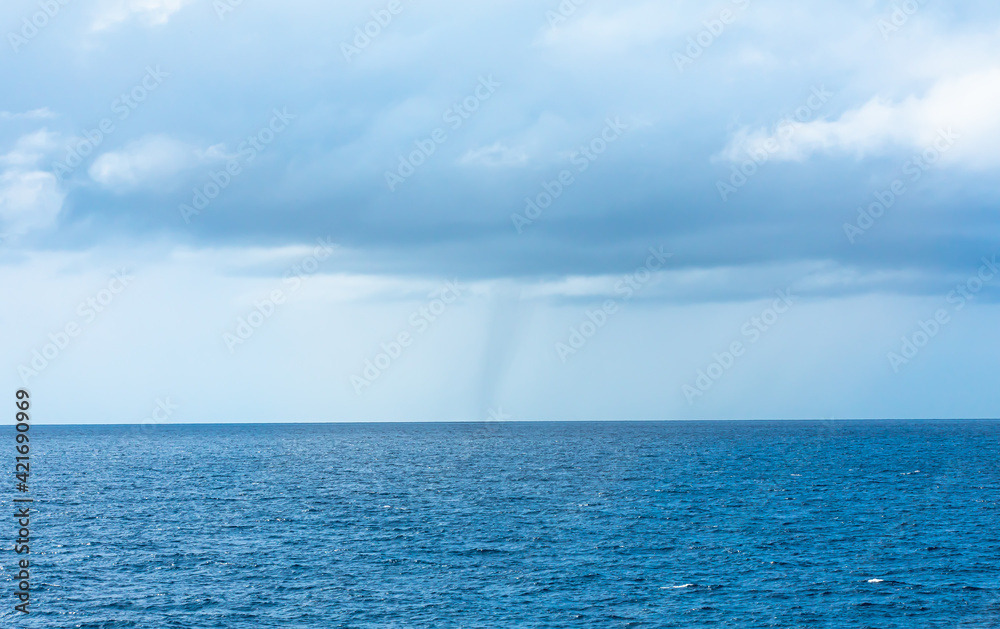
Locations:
232 211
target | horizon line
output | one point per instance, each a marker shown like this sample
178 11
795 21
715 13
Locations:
519 421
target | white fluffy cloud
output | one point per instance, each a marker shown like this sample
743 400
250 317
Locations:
150 12
965 106
149 161
27 115
495 155
29 198
586 31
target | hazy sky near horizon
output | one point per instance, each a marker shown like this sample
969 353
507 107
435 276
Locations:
309 211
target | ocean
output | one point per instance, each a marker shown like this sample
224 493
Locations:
662 524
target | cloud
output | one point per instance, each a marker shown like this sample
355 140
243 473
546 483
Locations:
150 161
29 198
325 177
34 114
30 149
150 12
495 155
964 105
594 33
356 118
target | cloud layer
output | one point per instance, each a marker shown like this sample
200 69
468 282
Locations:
533 151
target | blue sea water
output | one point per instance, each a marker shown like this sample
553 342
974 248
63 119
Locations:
675 524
